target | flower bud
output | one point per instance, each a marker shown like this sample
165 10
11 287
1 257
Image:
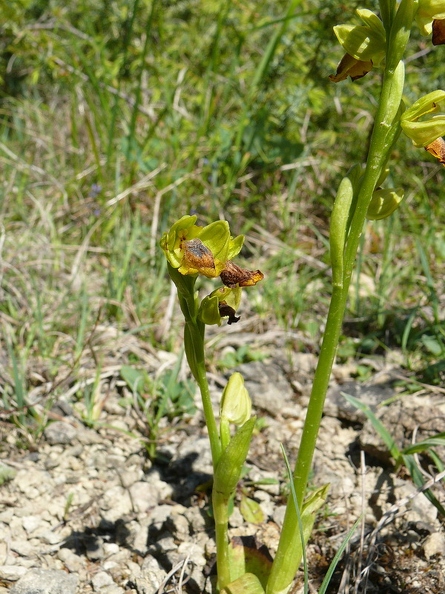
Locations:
236 406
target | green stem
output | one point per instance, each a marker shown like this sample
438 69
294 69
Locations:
284 567
215 444
220 513
194 348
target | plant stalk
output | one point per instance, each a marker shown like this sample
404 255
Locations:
284 568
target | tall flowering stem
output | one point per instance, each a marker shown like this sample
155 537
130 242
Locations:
349 213
191 251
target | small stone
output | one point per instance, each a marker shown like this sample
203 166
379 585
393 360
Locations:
22 548
60 433
31 523
152 575
129 477
115 503
45 581
94 547
100 580
71 561
12 573
147 494
434 545
111 548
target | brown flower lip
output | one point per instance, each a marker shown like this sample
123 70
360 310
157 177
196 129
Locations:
227 311
437 149
233 275
438 32
197 255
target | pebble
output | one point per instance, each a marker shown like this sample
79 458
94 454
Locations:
12 573
46 581
100 580
60 433
434 544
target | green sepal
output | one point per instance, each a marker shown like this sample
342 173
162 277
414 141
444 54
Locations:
235 246
365 43
216 237
383 203
228 470
428 11
424 132
209 312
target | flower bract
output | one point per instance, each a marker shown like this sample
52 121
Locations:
236 406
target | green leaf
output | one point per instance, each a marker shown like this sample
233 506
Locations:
418 479
134 378
246 584
251 510
230 465
378 426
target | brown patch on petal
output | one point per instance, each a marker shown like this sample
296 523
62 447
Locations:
227 311
439 32
234 275
437 149
349 66
197 255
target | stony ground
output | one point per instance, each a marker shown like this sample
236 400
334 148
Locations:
85 510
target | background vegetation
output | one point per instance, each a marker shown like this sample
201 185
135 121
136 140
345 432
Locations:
118 117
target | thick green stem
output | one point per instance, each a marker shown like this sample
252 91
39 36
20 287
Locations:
215 444
194 348
221 515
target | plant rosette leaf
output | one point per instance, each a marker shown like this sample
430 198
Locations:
279 583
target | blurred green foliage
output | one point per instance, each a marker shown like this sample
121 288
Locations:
118 117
